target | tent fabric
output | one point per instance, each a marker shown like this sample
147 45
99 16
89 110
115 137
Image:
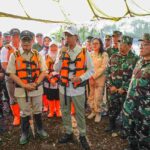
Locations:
73 11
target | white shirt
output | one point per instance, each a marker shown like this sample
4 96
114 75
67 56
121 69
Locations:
4 53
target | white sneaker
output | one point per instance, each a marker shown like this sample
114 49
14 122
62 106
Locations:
98 117
92 115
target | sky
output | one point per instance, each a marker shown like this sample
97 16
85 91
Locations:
76 11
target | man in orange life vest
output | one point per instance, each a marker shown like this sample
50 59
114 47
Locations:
27 68
75 67
5 54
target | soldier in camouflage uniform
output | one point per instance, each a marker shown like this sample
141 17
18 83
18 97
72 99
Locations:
136 109
119 73
115 37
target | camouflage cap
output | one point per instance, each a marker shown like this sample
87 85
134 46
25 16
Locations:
107 37
14 31
126 39
117 33
146 37
26 34
6 34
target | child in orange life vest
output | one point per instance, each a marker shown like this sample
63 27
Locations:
52 84
44 52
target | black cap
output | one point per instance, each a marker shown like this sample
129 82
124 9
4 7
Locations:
14 31
39 34
26 34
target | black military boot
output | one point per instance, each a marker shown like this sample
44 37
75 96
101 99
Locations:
111 126
40 131
130 147
66 138
84 143
25 130
133 145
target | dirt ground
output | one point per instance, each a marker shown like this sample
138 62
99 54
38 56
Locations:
98 139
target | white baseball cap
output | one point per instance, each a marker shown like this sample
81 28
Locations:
72 30
53 43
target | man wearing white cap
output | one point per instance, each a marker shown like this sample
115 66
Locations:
75 66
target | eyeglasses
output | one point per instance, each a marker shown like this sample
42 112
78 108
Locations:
95 43
144 45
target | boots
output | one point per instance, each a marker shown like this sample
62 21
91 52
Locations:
38 121
45 103
91 115
16 113
84 143
97 117
51 108
25 130
66 138
132 147
111 126
57 105
72 109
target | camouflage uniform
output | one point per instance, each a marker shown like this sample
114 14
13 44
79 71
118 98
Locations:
119 73
113 50
136 109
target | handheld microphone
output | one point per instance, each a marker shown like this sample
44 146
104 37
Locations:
64 50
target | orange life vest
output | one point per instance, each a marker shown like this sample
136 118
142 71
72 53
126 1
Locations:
79 70
50 64
27 71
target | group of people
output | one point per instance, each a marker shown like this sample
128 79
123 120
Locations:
65 79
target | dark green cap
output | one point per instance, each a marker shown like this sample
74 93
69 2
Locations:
146 37
126 39
6 34
117 33
107 36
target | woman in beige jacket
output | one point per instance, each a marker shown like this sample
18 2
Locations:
97 81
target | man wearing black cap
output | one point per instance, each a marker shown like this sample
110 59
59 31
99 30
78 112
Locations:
5 54
27 69
39 45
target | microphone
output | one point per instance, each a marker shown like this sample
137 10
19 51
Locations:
64 50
